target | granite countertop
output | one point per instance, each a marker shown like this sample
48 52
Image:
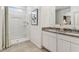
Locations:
68 32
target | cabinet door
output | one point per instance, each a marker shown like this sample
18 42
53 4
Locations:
45 40
66 46
74 47
52 44
63 46
60 45
49 41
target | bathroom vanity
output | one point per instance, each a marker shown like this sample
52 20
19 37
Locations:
56 40
63 36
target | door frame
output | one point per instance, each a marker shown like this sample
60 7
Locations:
7 41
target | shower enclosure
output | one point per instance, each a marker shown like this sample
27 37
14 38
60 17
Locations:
14 25
17 24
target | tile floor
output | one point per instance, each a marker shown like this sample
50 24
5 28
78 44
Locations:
24 47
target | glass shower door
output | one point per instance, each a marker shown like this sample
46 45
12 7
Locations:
17 24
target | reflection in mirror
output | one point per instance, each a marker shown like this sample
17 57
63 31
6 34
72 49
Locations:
63 15
67 20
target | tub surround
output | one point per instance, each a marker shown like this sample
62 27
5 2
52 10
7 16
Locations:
65 31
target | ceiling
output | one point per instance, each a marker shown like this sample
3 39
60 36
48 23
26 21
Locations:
61 7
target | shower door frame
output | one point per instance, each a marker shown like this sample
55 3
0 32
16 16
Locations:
5 35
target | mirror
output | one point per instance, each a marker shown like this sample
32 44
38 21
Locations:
63 15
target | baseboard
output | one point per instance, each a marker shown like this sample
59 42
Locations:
16 41
38 45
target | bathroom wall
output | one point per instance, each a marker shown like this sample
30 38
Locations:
46 17
35 30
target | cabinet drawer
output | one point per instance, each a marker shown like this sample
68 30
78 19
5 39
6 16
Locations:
68 38
64 37
75 40
49 34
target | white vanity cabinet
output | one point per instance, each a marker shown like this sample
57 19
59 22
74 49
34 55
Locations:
49 41
60 42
